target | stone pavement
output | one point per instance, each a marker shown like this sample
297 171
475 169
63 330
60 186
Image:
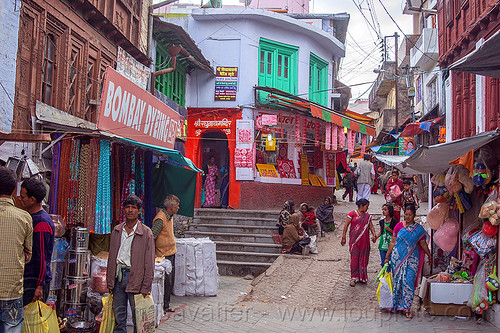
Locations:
227 313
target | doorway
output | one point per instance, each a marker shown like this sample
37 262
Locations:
214 144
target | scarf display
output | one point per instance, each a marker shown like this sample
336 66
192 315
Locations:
103 198
328 136
364 140
91 190
335 137
341 137
54 184
297 129
350 141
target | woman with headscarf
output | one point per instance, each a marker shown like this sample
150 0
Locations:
359 223
292 241
284 217
324 213
406 254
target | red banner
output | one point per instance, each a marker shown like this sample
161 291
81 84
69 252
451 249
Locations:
131 112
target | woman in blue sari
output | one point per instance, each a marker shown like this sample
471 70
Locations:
406 253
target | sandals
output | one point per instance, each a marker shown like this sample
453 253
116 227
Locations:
352 283
168 310
408 315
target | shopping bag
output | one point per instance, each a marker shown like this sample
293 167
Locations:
39 318
108 316
144 313
384 291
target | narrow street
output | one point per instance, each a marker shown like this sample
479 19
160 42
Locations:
306 292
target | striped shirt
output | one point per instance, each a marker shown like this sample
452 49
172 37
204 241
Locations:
16 235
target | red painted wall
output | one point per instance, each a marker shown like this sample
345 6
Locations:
264 196
193 148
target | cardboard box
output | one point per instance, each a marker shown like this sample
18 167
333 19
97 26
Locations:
436 309
451 293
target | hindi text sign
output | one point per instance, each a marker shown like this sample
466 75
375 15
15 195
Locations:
226 83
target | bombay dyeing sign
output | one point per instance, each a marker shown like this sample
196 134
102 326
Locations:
131 112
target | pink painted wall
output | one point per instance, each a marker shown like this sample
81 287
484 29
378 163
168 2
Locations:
293 6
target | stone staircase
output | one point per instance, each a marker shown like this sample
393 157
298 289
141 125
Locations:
243 238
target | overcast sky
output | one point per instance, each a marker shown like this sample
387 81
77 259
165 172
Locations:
363 53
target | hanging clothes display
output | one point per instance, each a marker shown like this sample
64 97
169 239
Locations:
91 190
363 144
350 141
83 178
341 137
317 127
149 209
118 163
328 136
103 199
335 136
54 183
63 181
128 184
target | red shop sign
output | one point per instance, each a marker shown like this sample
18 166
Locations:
131 112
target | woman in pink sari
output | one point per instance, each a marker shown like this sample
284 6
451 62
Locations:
212 173
360 225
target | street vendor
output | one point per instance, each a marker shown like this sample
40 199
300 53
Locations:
131 262
163 233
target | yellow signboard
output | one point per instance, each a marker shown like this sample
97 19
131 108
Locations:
304 169
267 170
271 145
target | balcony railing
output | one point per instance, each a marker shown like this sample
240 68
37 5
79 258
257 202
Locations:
426 52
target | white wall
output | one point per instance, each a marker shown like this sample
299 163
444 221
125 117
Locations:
9 26
449 104
235 42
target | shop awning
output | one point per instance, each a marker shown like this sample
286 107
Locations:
386 147
397 162
485 60
174 155
281 98
436 158
413 129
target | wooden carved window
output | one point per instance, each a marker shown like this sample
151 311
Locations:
73 81
49 70
90 90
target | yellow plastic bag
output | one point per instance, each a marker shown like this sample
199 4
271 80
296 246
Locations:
384 291
108 316
39 318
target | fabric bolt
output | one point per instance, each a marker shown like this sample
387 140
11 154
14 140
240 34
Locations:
335 137
317 126
328 136
91 190
359 245
350 142
103 198
83 178
405 260
148 205
54 178
118 163
63 181
297 128
74 169
363 144
303 135
341 143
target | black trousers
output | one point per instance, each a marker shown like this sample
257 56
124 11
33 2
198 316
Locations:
169 283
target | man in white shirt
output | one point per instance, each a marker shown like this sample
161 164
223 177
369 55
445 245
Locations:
366 175
131 262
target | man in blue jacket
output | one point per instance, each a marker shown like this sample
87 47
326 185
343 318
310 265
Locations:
37 273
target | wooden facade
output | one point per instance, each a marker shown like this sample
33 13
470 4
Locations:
461 24
64 49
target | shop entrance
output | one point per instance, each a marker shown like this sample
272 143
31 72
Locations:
216 190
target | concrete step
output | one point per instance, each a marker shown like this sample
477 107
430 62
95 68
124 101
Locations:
246 256
198 212
232 228
248 247
241 268
240 220
231 236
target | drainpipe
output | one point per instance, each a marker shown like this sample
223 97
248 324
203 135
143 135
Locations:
174 51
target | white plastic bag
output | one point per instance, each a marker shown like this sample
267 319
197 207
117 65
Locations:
384 291
312 245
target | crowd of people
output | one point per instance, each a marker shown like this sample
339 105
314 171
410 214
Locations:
27 234
296 227
402 244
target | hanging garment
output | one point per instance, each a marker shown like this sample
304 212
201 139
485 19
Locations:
103 199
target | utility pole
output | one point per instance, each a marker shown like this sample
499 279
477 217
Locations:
396 37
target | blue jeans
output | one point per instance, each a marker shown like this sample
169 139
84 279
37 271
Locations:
11 316
120 299
382 257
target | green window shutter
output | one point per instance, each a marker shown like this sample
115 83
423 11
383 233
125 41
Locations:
318 80
172 85
277 67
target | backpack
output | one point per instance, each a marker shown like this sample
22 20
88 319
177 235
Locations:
347 181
